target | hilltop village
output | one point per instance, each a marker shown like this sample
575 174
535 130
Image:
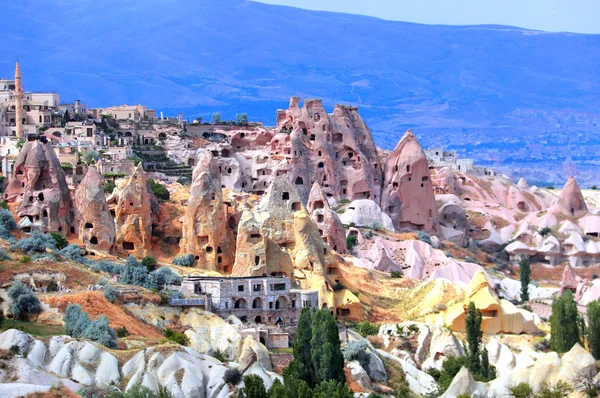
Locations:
193 250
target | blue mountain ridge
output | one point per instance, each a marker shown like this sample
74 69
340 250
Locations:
483 90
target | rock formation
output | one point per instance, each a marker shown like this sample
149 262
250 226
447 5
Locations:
571 201
408 192
204 232
454 224
279 237
330 227
93 222
366 213
336 150
38 184
134 204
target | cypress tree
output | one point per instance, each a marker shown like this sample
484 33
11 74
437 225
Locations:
474 335
564 323
325 349
254 387
303 364
593 329
525 272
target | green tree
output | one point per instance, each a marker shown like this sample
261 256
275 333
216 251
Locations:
242 119
159 190
22 301
254 387
216 118
593 328
20 143
326 354
90 157
564 323
521 390
351 241
474 335
332 389
302 348
60 241
149 262
525 271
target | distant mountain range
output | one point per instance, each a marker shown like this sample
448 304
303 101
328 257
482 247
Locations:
489 91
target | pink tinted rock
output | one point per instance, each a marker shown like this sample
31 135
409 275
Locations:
408 191
571 201
328 222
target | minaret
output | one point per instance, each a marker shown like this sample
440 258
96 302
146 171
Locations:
18 102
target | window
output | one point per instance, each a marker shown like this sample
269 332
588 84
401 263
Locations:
240 288
278 286
257 288
285 196
293 303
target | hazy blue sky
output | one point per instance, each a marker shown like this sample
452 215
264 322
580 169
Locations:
580 16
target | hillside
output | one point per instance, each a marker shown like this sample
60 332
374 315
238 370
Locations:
508 96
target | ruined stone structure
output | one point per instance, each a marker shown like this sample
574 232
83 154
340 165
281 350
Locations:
93 222
408 192
204 232
133 205
336 150
266 299
330 226
38 184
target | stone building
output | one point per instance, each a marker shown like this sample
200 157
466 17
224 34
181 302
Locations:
261 300
437 157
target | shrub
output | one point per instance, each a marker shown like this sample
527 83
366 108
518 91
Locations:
110 293
90 157
184 261
161 277
176 337
7 223
22 301
413 328
14 349
122 332
368 234
550 187
108 186
4 205
521 390
134 275
353 348
351 242
558 390
99 392
36 243
25 259
254 387
149 262
59 241
106 266
159 190
232 376
78 324
220 355
367 328
4 255
424 237
545 231
72 252
396 274
52 286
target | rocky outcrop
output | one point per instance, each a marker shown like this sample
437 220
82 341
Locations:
93 222
38 185
330 227
408 191
336 150
571 201
454 224
366 213
204 231
134 205
278 237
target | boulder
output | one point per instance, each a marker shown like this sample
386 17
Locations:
93 222
408 191
366 213
359 375
464 383
39 187
204 230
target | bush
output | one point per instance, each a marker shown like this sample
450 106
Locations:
72 252
545 231
368 234
108 186
4 205
110 293
161 277
25 259
232 376
122 332
134 275
99 392
424 237
367 328
220 355
521 390
22 301
7 223
159 190
353 348
36 243
396 274
79 325
90 157
52 286
59 241
4 255
176 337
254 387
184 261
558 390
351 242
149 262
107 266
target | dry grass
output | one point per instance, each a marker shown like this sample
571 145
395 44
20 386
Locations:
95 305
55 392
476 219
499 222
76 275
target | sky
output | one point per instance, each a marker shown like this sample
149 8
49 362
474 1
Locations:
578 16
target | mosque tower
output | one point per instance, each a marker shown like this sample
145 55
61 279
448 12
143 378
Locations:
18 102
